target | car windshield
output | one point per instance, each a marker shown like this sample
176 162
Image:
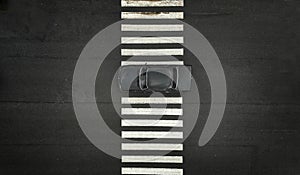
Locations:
155 78
158 81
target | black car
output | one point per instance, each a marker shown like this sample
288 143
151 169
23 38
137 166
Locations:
155 78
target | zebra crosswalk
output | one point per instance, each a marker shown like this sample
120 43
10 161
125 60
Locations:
141 117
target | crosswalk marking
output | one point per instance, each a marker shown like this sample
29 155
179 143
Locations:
152 27
152 63
152 123
151 111
151 147
151 3
152 52
152 47
151 134
153 171
152 100
152 159
151 40
152 15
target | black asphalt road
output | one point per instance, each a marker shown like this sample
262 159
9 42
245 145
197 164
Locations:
257 42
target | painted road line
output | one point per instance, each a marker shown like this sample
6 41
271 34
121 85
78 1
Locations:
152 63
151 123
152 15
152 52
152 159
152 27
151 147
151 135
153 171
151 3
152 40
151 100
151 111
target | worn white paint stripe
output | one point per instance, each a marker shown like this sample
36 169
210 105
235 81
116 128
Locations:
152 15
152 40
151 3
152 27
152 63
151 134
151 111
152 147
152 52
151 100
152 123
153 171
152 159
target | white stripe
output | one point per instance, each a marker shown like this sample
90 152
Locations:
152 159
151 135
151 111
152 123
152 146
152 15
152 100
151 40
155 63
152 52
152 28
153 171
151 3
